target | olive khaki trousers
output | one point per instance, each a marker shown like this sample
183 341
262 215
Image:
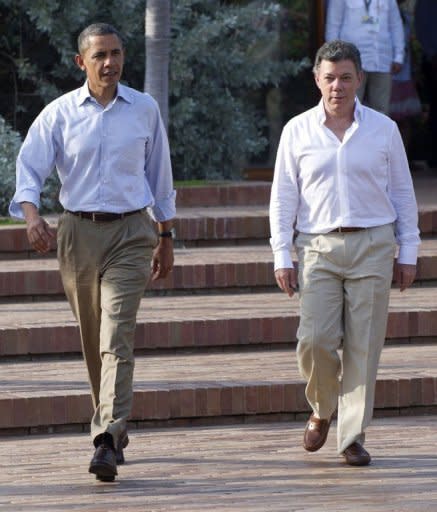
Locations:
375 91
105 267
344 281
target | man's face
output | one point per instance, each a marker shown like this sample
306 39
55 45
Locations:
102 62
338 82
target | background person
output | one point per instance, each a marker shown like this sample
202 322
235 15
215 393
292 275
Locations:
404 102
110 150
342 174
375 28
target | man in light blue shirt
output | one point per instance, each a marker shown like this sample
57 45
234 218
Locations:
375 28
110 149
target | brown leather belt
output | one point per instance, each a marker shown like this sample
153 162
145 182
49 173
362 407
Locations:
102 216
346 230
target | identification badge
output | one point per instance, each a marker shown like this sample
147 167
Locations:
371 22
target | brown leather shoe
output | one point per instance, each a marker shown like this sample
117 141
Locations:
356 455
316 432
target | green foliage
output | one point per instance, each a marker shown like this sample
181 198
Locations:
220 55
10 142
39 43
224 58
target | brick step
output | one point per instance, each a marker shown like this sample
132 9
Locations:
224 194
200 227
169 387
195 269
202 322
229 213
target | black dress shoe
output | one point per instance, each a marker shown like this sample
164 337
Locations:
356 455
103 464
123 441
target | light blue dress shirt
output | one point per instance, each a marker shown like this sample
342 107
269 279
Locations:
109 159
377 32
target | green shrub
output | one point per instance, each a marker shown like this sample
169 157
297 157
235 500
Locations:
221 55
10 142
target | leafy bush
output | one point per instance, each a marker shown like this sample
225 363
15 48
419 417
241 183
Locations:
10 142
220 55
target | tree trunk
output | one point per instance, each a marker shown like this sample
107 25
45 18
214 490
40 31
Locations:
157 34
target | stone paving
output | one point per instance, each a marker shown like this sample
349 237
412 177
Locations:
250 468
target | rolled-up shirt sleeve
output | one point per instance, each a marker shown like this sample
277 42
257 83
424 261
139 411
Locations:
283 203
401 192
35 162
397 33
159 173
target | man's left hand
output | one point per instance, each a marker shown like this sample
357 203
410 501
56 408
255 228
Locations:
404 275
162 259
395 68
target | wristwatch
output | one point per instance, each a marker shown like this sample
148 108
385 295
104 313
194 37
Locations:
166 234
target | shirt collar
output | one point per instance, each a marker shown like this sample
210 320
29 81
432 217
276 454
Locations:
84 94
321 114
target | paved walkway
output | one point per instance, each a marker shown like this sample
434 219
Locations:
251 468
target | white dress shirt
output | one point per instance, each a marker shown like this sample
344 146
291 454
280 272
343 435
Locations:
109 159
380 40
322 183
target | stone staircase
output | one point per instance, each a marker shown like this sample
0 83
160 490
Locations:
215 341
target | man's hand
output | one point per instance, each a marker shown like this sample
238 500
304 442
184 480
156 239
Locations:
395 68
39 233
162 259
286 279
404 275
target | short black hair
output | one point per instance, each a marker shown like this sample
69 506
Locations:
337 50
96 29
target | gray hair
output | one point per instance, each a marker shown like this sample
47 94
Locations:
96 29
337 50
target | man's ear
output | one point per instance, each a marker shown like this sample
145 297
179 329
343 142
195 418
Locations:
79 61
317 79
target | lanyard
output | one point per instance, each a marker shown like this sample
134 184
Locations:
367 5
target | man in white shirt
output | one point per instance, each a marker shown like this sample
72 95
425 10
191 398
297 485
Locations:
342 182
110 149
375 27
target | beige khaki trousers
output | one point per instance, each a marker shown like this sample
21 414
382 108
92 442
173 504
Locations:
345 281
375 91
105 267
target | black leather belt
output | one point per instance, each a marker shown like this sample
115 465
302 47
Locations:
346 230
102 216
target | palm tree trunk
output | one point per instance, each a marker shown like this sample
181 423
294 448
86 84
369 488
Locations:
157 34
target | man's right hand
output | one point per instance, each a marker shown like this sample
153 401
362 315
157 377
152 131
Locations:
286 279
39 233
